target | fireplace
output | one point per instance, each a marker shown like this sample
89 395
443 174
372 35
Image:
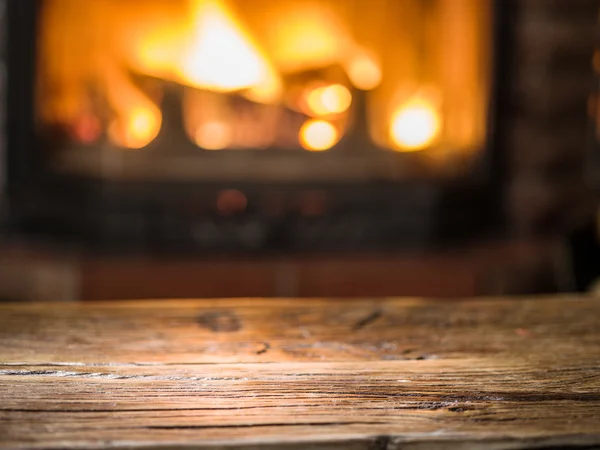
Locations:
208 125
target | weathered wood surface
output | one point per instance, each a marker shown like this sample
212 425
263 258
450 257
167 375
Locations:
371 374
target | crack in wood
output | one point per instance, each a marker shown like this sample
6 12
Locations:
115 376
260 425
426 406
368 320
265 349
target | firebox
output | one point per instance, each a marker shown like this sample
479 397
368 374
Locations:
251 124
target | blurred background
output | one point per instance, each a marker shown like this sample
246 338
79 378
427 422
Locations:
297 148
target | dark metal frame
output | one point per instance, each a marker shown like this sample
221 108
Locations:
89 211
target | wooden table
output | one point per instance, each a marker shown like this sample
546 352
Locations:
370 374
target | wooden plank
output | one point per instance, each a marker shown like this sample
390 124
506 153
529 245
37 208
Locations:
370 374
226 331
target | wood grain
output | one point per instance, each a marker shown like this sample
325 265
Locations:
370 374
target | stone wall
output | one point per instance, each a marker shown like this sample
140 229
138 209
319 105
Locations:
2 94
550 80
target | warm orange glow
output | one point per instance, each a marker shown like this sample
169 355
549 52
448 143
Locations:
222 56
318 135
214 135
104 67
364 72
326 100
137 120
136 128
415 125
303 35
212 49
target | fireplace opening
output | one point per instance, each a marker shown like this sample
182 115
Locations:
238 89
254 124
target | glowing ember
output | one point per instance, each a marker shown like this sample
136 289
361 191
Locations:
137 119
318 135
326 100
415 125
87 129
136 128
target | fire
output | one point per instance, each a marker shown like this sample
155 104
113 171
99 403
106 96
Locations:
318 135
415 125
304 35
103 66
135 128
137 120
222 55
215 53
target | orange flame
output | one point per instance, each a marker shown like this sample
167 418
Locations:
223 57
137 119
